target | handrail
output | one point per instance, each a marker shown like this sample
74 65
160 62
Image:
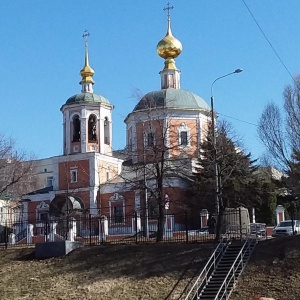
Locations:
211 262
21 235
234 268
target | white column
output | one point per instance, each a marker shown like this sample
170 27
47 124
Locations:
103 232
29 234
72 230
169 225
52 231
83 133
136 224
93 201
12 239
279 214
253 215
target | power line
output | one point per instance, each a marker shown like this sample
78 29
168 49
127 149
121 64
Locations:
243 121
266 38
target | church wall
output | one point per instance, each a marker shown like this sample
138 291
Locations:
145 152
45 170
129 197
66 180
112 202
33 211
191 126
107 171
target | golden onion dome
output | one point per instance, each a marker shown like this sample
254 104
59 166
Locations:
169 46
87 72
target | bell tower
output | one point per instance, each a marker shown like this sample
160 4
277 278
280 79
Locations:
87 116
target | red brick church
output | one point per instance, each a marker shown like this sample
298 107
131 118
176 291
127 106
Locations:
92 179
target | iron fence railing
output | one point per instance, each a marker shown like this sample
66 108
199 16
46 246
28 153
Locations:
93 229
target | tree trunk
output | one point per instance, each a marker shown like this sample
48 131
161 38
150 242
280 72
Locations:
219 224
160 224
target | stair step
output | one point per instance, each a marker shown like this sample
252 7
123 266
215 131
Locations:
230 261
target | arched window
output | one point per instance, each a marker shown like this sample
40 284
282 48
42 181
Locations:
117 209
42 212
106 131
76 128
149 139
184 138
92 128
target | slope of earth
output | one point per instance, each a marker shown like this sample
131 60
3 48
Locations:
273 271
153 271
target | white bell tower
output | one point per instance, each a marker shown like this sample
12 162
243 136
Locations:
87 117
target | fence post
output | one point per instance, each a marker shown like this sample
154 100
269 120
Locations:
5 234
90 226
46 238
12 239
186 227
104 228
29 233
100 230
52 233
240 217
136 231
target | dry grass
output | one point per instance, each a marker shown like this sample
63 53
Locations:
273 271
153 271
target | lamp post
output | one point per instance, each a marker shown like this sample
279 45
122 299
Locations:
145 187
214 142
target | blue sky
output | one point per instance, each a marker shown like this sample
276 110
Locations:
42 52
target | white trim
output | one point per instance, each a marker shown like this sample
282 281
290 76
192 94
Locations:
42 208
184 128
116 198
73 175
146 134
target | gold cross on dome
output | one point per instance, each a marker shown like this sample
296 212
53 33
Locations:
168 8
86 35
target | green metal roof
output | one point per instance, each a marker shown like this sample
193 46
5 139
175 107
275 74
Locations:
87 97
171 98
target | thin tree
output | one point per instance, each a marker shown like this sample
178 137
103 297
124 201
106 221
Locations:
17 175
280 131
161 156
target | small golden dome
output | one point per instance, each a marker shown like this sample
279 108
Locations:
169 46
87 72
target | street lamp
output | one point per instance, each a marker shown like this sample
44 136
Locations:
214 142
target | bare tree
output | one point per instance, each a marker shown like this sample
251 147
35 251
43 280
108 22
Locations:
280 133
159 153
17 175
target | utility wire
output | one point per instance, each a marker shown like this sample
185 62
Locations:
243 121
265 36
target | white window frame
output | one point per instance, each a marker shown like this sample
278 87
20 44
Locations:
50 179
42 208
73 175
116 198
184 128
146 139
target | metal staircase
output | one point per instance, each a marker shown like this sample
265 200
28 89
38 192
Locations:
220 275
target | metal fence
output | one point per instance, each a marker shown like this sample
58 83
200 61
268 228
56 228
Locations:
94 229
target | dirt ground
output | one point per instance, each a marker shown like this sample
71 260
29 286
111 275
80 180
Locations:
273 271
154 271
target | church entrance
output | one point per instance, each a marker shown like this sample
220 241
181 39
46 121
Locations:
65 211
